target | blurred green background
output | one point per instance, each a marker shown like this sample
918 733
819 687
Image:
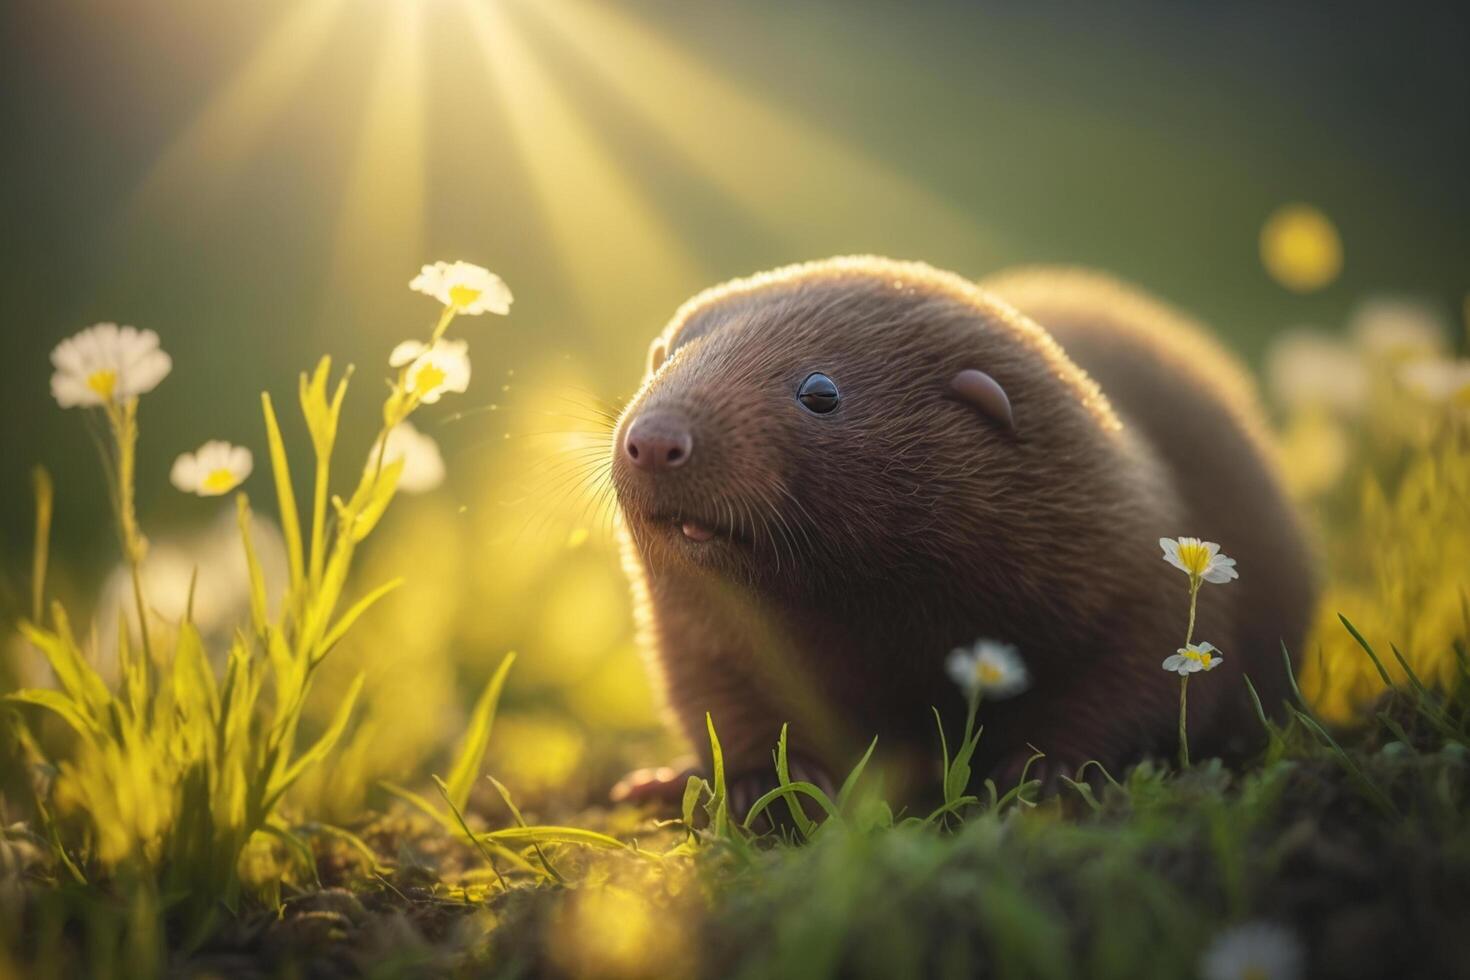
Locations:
257 182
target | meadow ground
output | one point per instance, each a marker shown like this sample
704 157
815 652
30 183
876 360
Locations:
156 823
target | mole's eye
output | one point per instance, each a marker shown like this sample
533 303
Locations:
817 394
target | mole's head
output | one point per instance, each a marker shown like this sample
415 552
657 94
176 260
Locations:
826 424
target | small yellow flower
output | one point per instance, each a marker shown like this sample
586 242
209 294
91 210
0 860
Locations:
105 364
1200 560
431 371
470 289
423 464
1254 951
989 668
213 469
1194 657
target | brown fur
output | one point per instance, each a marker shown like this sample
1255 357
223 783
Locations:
855 550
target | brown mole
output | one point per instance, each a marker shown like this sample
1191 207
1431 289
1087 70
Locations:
837 472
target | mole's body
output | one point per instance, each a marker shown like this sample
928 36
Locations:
836 473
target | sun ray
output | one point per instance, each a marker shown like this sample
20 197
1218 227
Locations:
806 185
204 159
612 239
380 227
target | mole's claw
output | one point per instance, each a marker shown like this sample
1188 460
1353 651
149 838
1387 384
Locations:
659 786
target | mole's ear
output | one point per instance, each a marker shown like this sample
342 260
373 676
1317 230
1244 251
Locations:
983 393
657 351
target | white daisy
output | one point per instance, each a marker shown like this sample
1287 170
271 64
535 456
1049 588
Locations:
1438 380
1398 328
468 288
1193 658
212 562
105 363
1199 559
1254 951
989 668
1311 369
433 370
423 464
214 468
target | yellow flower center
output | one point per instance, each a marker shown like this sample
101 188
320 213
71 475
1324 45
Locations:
1202 656
103 382
218 481
462 296
428 378
1195 557
988 673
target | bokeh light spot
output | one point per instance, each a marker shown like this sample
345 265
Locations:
1300 248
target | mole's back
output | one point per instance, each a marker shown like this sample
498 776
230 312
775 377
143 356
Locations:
1176 387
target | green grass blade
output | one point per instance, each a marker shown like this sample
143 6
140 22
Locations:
1256 703
1368 649
849 785
1017 793
1291 680
322 746
60 705
717 807
525 833
352 615
471 754
953 806
790 791
694 788
77 677
804 824
1370 788
285 495
476 842
1084 791
258 603
374 864
515 812
281 832
943 743
45 493
421 804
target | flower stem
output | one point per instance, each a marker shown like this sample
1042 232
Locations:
1193 597
124 419
444 320
974 707
1183 736
1194 583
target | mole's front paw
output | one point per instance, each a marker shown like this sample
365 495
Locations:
661 787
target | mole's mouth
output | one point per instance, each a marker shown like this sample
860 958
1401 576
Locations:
695 529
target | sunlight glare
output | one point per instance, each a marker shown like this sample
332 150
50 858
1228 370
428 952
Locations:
801 182
612 240
199 165
381 223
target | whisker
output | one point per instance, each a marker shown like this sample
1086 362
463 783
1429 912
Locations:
801 525
587 414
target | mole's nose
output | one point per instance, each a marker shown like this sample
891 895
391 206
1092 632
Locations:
658 441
